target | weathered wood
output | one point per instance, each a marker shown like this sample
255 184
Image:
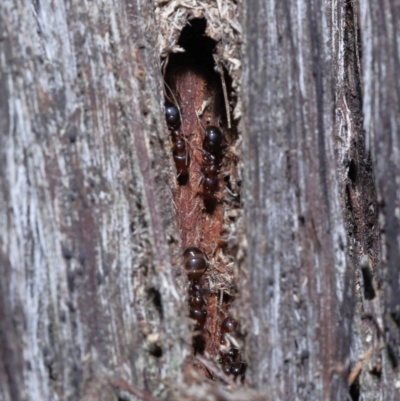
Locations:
301 282
87 222
92 297
358 198
380 36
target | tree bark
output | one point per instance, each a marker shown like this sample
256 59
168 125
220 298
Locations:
380 36
87 218
301 279
92 290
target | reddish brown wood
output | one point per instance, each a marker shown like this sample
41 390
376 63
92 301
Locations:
193 85
197 227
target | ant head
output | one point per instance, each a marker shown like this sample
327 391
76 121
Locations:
172 116
213 141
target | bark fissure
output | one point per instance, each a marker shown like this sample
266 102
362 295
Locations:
93 301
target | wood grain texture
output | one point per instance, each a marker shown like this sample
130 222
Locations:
380 38
86 218
301 281
90 252
358 198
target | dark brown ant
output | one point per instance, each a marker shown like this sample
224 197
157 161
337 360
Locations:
210 183
195 265
180 154
196 303
180 151
228 326
238 369
173 117
196 299
200 315
195 262
213 144
232 363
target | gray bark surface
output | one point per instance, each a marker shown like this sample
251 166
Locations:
92 292
380 36
85 210
301 280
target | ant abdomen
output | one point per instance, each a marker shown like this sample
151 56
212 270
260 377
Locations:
182 164
173 117
195 263
210 187
229 325
181 157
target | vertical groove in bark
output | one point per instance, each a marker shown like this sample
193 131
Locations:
358 197
89 308
301 283
381 104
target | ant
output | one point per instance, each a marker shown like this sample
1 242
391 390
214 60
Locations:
229 325
231 361
179 151
195 265
213 145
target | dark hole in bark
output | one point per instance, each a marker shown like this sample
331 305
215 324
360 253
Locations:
369 292
352 173
67 253
376 371
305 355
183 179
199 48
201 89
354 390
72 134
155 296
156 351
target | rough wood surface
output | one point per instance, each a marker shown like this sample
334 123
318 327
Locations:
301 282
87 218
380 37
358 198
92 289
